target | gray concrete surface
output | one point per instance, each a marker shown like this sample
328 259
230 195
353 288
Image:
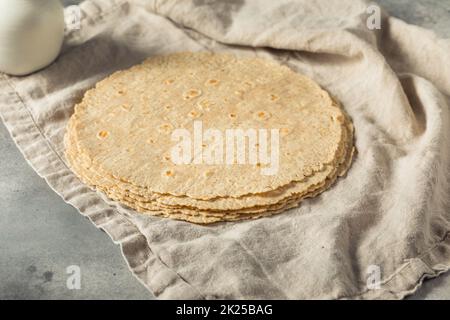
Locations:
40 235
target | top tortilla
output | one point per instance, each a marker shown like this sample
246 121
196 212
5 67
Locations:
124 124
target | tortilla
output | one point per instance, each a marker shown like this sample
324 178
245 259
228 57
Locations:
120 138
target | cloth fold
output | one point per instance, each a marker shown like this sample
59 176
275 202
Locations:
377 233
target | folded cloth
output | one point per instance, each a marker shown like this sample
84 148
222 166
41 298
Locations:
377 233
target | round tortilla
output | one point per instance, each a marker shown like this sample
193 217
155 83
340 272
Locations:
123 126
119 139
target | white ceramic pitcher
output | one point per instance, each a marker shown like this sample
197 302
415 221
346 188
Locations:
31 34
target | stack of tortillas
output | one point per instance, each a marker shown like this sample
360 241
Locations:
125 135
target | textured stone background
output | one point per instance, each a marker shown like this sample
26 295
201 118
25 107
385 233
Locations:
40 235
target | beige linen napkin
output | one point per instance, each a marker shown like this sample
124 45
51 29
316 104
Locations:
387 220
